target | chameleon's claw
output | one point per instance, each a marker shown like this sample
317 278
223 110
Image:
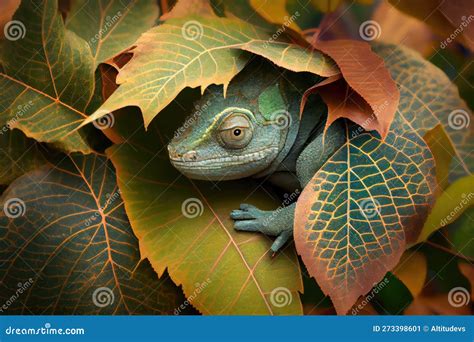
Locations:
247 212
280 241
277 223
247 225
250 219
241 215
245 206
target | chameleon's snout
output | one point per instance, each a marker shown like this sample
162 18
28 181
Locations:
181 156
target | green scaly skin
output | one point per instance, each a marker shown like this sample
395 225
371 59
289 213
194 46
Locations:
255 131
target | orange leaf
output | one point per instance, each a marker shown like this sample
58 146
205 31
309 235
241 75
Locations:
397 27
366 76
451 20
8 8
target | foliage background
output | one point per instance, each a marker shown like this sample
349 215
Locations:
93 219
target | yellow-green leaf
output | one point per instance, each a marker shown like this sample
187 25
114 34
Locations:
110 26
50 72
449 206
184 226
198 51
443 153
412 270
244 11
65 237
275 12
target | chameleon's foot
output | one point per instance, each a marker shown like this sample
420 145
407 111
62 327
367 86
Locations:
273 223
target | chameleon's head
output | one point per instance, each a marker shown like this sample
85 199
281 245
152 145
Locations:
226 142
229 137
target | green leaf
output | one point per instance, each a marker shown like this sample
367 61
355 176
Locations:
50 72
110 26
449 206
201 246
356 216
198 51
18 155
65 237
461 233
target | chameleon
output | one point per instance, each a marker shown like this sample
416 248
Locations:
254 129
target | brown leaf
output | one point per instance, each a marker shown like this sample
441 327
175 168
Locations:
366 75
343 101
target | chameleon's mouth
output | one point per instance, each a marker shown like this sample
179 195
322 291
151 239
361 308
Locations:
225 167
223 162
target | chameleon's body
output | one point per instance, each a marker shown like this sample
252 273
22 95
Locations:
255 131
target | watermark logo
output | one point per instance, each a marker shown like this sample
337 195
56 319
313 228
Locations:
286 23
192 208
465 21
110 198
14 208
191 120
107 120
102 297
466 200
370 30
376 289
21 110
281 119
14 30
21 288
369 207
192 30
280 297
288 199
459 119
198 288
46 330
459 296
108 24
378 110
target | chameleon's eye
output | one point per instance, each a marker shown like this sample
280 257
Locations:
235 131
